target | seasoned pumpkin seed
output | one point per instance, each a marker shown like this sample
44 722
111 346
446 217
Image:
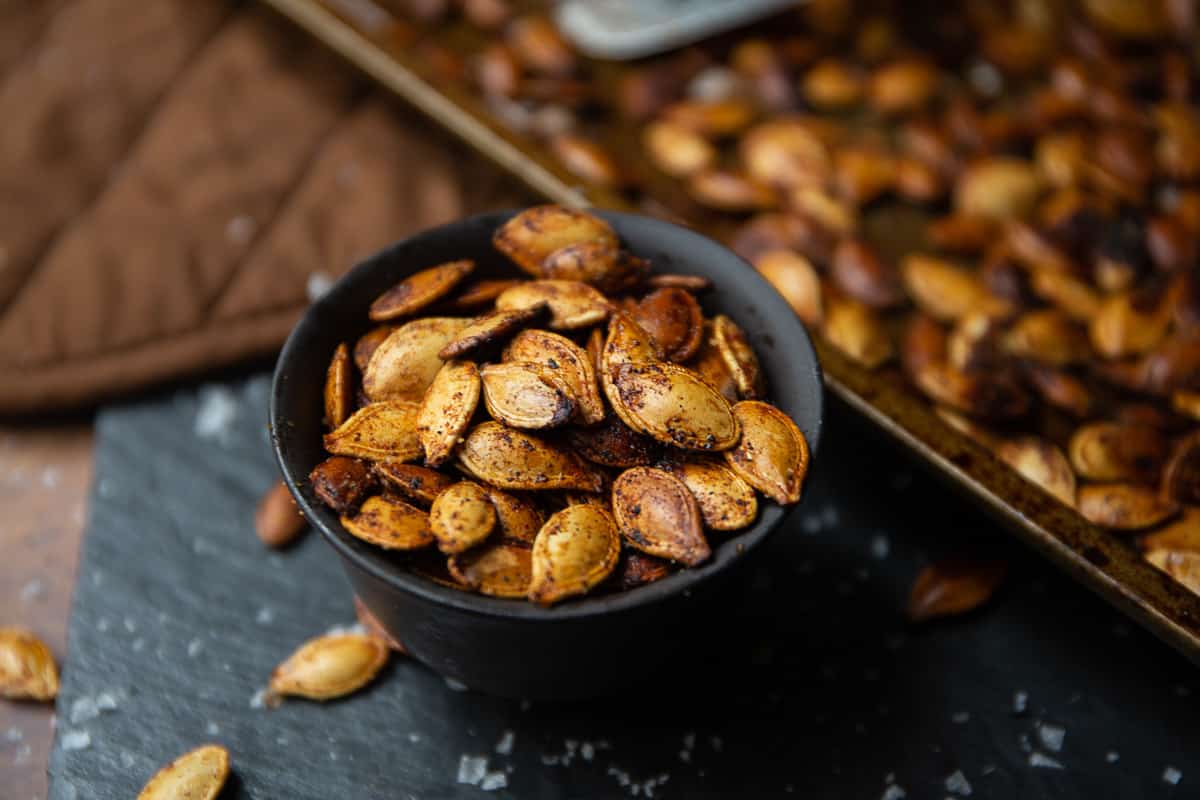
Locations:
461 517
795 278
575 550
503 569
710 365
518 517
420 290
277 521
489 329
384 431
672 404
1041 463
612 443
572 304
195 775
946 291
339 387
1181 476
532 235
856 331
739 356
524 394
405 363
27 668
1123 506
954 586
1182 534
657 514
1109 451
727 503
568 361
390 523
366 345
341 483
674 321
772 454
512 459
637 569
676 149
481 293
419 484
447 409
593 263
627 343
329 667
997 188
1183 566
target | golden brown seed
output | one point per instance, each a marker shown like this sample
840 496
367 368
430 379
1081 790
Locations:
419 484
1181 476
512 459
461 517
572 304
673 405
954 586
711 117
1182 534
339 387
1060 389
384 431
946 291
503 569
574 551
657 514
594 263
517 516
446 410
487 14
1133 19
973 343
330 666
1186 403
856 331
863 173
727 503
785 153
196 775
902 86
404 364
1047 336
1041 463
859 271
1108 451
677 150
366 345
27 668
568 362
390 523
539 45
420 290
739 357
489 329
341 483
729 191
627 343
997 188
1120 328
481 293
794 277
637 569
967 427
983 394
533 234
612 443
960 234
1070 294
917 181
710 365
585 159
1172 245
277 520
797 232
833 84
1060 158
772 454
667 280
1178 148
835 216
524 394
1183 566
674 320
1123 506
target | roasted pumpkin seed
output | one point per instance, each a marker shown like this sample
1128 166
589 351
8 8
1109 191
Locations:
982 394
1041 463
27 668
524 394
572 304
384 431
785 153
574 551
1183 566
568 362
481 293
329 667
856 331
997 188
420 290
339 387
533 234
668 280
512 459
676 149
461 517
725 190
517 516
627 343
657 514
724 117
404 364
586 159
489 329
447 409
1182 534
195 775
727 503
594 264
1047 336
1123 506
794 277
612 443
902 87
739 356
673 405
419 484
1181 475
946 291
1108 451
772 454
390 523
503 569
674 320
277 521
954 586
366 345
341 483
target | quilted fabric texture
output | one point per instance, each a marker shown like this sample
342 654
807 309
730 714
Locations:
171 176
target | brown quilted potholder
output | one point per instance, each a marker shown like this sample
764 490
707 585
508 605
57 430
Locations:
173 175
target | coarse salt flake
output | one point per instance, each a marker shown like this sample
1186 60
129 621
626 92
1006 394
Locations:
76 740
1037 759
472 769
1052 736
1172 776
957 783
505 746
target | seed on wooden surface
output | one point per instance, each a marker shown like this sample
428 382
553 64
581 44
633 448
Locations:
954 586
574 551
277 521
341 483
384 431
329 667
511 459
657 514
404 364
27 668
339 387
772 454
461 517
420 290
196 775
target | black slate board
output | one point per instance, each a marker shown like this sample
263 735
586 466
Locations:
811 686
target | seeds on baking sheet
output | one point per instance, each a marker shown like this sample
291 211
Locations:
567 361
835 215
676 149
997 188
861 174
1127 18
856 331
772 455
329 667
1073 296
533 234
794 277
339 387
960 234
461 517
404 364
503 569
946 291
27 668
339 482
1183 566
924 342
833 84
917 182
986 395
902 87
489 329
1187 403
517 516
1060 389
538 44
572 304
512 459
1181 475
657 514
384 431
739 356
727 503
1181 534
714 118
735 192
954 586
415 483
674 320
524 394
196 775
859 271
973 343
586 159
612 443
637 569
390 523
446 410
673 405
575 550
277 521
1047 336
1123 506
1120 328
1041 463
420 290
1108 451
785 153
481 293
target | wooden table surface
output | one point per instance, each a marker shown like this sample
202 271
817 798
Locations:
45 473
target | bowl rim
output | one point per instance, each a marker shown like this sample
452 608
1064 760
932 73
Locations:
399 578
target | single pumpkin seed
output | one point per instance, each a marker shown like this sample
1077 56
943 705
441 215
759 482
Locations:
342 483
420 290
518 517
419 484
1047 336
1123 506
726 190
1119 328
676 149
490 328
533 234
1076 298
329 667
586 159
673 405
1183 566
368 343
612 443
512 459
714 118
1041 463
674 321
727 503
339 387
27 668
277 521
1109 451
1181 476
710 365
997 188
856 331
568 361
954 586
627 343
593 263
482 293
669 280
657 514
946 291
772 455
524 394
785 153
739 357
795 278
574 551
461 517
637 569
405 363
903 86
384 431
390 523
447 409
503 569
572 304
982 394
1187 403
195 775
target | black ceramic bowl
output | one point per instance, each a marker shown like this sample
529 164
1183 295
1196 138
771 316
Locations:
586 646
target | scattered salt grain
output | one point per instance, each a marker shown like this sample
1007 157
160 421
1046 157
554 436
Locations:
318 285
51 477
217 410
83 709
138 645
265 616
957 783
472 769
102 625
212 729
960 717
1020 702
880 547
1172 776
23 754
130 624
76 740
1051 736
1037 759
14 734
414 737
893 792
587 750
127 759
456 685
1112 756
685 756
259 699
717 743
493 781
504 747
194 647
32 590
240 229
